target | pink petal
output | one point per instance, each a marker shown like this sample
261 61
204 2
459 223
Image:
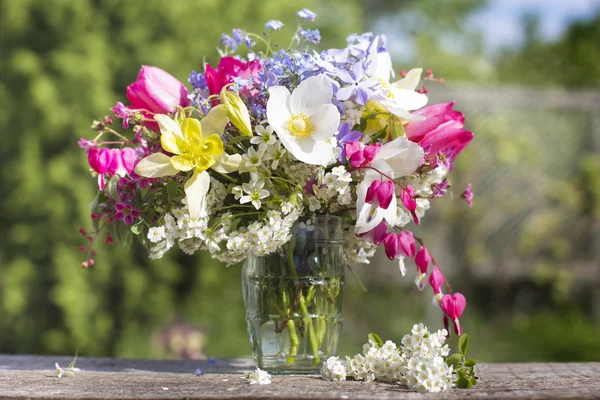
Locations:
422 259
436 280
390 244
128 158
385 194
379 232
406 241
372 191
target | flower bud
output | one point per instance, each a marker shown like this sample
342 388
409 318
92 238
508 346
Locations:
237 112
422 259
390 243
436 280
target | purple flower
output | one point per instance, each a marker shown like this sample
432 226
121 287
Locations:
312 35
344 136
126 213
122 112
440 189
126 189
198 80
356 85
306 14
467 195
198 372
86 144
228 41
274 25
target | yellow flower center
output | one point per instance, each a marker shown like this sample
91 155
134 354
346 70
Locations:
300 125
386 86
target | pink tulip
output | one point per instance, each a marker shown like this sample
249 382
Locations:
406 242
441 134
391 245
453 306
422 259
157 91
229 68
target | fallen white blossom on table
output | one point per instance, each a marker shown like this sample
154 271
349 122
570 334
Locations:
69 371
259 377
419 362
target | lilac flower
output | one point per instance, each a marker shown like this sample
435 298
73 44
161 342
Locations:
312 35
126 213
126 189
238 35
267 78
228 41
356 85
345 135
122 112
274 25
306 14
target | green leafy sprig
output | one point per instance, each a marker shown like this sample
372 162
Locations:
464 367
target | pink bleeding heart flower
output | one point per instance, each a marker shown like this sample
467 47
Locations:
115 165
352 148
422 259
99 160
379 233
453 306
391 245
383 192
128 159
467 195
406 242
359 156
436 280
229 68
370 151
157 91
409 201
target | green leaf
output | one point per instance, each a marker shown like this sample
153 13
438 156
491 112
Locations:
460 372
111 188
463 344
238 139
453 360
172 189
463 383
374 337
473 381
470 362
137 228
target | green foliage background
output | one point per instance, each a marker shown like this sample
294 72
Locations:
64 63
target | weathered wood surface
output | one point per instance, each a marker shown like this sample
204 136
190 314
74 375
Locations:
33 377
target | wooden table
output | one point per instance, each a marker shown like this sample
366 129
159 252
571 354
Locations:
34 377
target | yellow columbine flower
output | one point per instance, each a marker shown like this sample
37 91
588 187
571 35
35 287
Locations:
193 151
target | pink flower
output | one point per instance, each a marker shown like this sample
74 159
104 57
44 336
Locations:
157 91
441 134
453 306
229 68
99 161
422 260
436 280
383 192
379 233
391 245
126 190
126 213
359 156
409 201
406 241
467 195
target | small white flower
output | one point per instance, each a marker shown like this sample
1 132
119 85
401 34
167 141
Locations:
275 153
253 158
334 369
237 192
254 193
156 234
259 377
265 136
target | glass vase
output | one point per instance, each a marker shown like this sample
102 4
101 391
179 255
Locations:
293 299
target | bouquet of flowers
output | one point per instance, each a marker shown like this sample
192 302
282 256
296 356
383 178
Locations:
271 137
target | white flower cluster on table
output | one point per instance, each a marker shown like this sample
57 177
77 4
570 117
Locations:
259 377
419 362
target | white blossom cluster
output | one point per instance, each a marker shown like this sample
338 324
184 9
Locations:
357 250
353 112
331 190
423 188
259 377
419 363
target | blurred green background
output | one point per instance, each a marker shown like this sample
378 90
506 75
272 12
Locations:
527 255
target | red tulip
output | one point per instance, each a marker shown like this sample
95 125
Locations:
229 68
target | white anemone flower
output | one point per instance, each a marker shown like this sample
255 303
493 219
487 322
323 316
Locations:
395 159
305 119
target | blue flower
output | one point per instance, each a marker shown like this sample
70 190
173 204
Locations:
306 14
198 80
228 41
199 372
312 35
274 25
363 88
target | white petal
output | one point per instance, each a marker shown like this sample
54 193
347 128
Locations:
227 164
406 99
215 121
408 157
368 218
155 166
401 265
278 108
166 124
410 81
308 150
311 93
195 190
361 190
405 115
326 120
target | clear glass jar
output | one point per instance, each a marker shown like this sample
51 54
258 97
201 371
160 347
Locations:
293 298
